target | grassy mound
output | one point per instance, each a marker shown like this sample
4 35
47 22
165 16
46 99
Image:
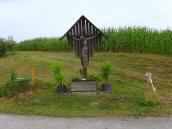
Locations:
128 80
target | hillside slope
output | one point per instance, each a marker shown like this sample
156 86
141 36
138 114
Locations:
127 98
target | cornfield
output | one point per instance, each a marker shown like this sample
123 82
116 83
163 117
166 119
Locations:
126 39
43 44
138 39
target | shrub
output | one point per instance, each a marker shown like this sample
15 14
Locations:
59 76
94 76
10 43
6 45
3 48
106 69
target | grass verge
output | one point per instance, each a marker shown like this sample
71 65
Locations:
126 99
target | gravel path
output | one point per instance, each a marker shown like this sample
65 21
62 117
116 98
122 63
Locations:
36 122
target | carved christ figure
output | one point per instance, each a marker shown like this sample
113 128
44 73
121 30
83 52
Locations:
84 53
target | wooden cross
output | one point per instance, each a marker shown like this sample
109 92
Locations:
85 38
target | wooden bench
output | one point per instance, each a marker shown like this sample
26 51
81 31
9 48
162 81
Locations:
84 87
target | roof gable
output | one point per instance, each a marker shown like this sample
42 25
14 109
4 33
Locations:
83 27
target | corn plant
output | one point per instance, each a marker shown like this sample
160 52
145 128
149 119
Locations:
138 39
43 44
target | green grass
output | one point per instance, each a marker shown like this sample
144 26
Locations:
126 99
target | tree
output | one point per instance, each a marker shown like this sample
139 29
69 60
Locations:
3 47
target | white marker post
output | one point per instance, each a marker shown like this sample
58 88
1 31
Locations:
149 80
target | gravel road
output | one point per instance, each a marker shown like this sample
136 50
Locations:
36 122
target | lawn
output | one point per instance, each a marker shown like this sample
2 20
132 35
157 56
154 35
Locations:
128 80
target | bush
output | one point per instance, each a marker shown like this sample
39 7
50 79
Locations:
59 76
106 69
3 48
6 45
94 76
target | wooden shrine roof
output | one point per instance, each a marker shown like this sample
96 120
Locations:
83 27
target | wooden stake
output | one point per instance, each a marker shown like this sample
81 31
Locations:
149 86
33 77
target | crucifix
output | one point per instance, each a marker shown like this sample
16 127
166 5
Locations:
84 54
85 38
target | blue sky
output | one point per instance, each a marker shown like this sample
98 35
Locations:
25 19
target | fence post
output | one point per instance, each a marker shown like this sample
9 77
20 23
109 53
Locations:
33 77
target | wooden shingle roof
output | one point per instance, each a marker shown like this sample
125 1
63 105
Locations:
83 27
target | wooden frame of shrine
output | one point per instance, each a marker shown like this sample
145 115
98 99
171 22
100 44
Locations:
85 38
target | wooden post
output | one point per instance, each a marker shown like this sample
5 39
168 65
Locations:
85 72
148 90
33 77
149 86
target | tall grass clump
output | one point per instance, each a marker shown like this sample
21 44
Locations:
59 76
43 44
13 85
106 69
138 39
